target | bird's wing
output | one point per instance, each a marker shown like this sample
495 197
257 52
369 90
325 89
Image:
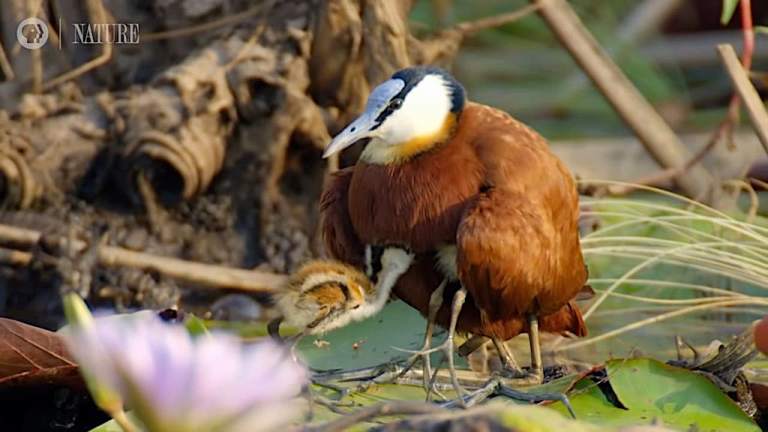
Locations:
517 243
502 253
340 240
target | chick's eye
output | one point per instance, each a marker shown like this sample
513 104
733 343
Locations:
355 306
395 103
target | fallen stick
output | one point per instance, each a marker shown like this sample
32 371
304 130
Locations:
746 91
209 275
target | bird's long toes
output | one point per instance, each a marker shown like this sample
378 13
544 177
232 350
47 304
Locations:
537 397
513 373
523 377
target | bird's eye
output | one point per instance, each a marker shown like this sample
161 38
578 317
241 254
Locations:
355 306
395 103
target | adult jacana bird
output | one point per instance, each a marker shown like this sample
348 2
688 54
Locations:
490 212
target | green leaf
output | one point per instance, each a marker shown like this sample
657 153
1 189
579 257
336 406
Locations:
540 419
652 390
370 342
761 29
112 426
729 7
195 326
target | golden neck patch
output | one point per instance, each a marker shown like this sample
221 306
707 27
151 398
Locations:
385 154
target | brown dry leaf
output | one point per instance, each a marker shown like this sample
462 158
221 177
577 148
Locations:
31 355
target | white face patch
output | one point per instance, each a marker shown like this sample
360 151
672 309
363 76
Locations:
422 113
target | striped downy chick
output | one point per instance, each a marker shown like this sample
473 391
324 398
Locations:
324 295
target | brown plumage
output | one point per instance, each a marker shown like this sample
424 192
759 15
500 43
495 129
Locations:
489 212
494 190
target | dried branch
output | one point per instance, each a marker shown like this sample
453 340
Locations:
655 134
746 91
112 256
668 174
98 14
442 47
471 27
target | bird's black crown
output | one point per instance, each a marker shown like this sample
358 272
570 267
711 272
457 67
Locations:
412 75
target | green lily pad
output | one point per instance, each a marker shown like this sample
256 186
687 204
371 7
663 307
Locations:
370 342
655 391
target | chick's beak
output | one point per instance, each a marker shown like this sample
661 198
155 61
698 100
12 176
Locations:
357 130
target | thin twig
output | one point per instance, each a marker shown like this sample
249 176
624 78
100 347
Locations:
746 91
669 174
470 27
754 199
99 15
193 272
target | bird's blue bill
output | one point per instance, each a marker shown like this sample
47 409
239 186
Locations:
365 125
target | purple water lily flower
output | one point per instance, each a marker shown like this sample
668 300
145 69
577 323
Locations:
174 382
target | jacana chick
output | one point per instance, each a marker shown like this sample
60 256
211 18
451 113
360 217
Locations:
324 295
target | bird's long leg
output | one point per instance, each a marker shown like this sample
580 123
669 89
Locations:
507 359
435 302
511 367
537 371
448 346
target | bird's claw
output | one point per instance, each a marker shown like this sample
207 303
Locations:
524 377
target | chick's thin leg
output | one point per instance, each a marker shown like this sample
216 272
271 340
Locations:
435 302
